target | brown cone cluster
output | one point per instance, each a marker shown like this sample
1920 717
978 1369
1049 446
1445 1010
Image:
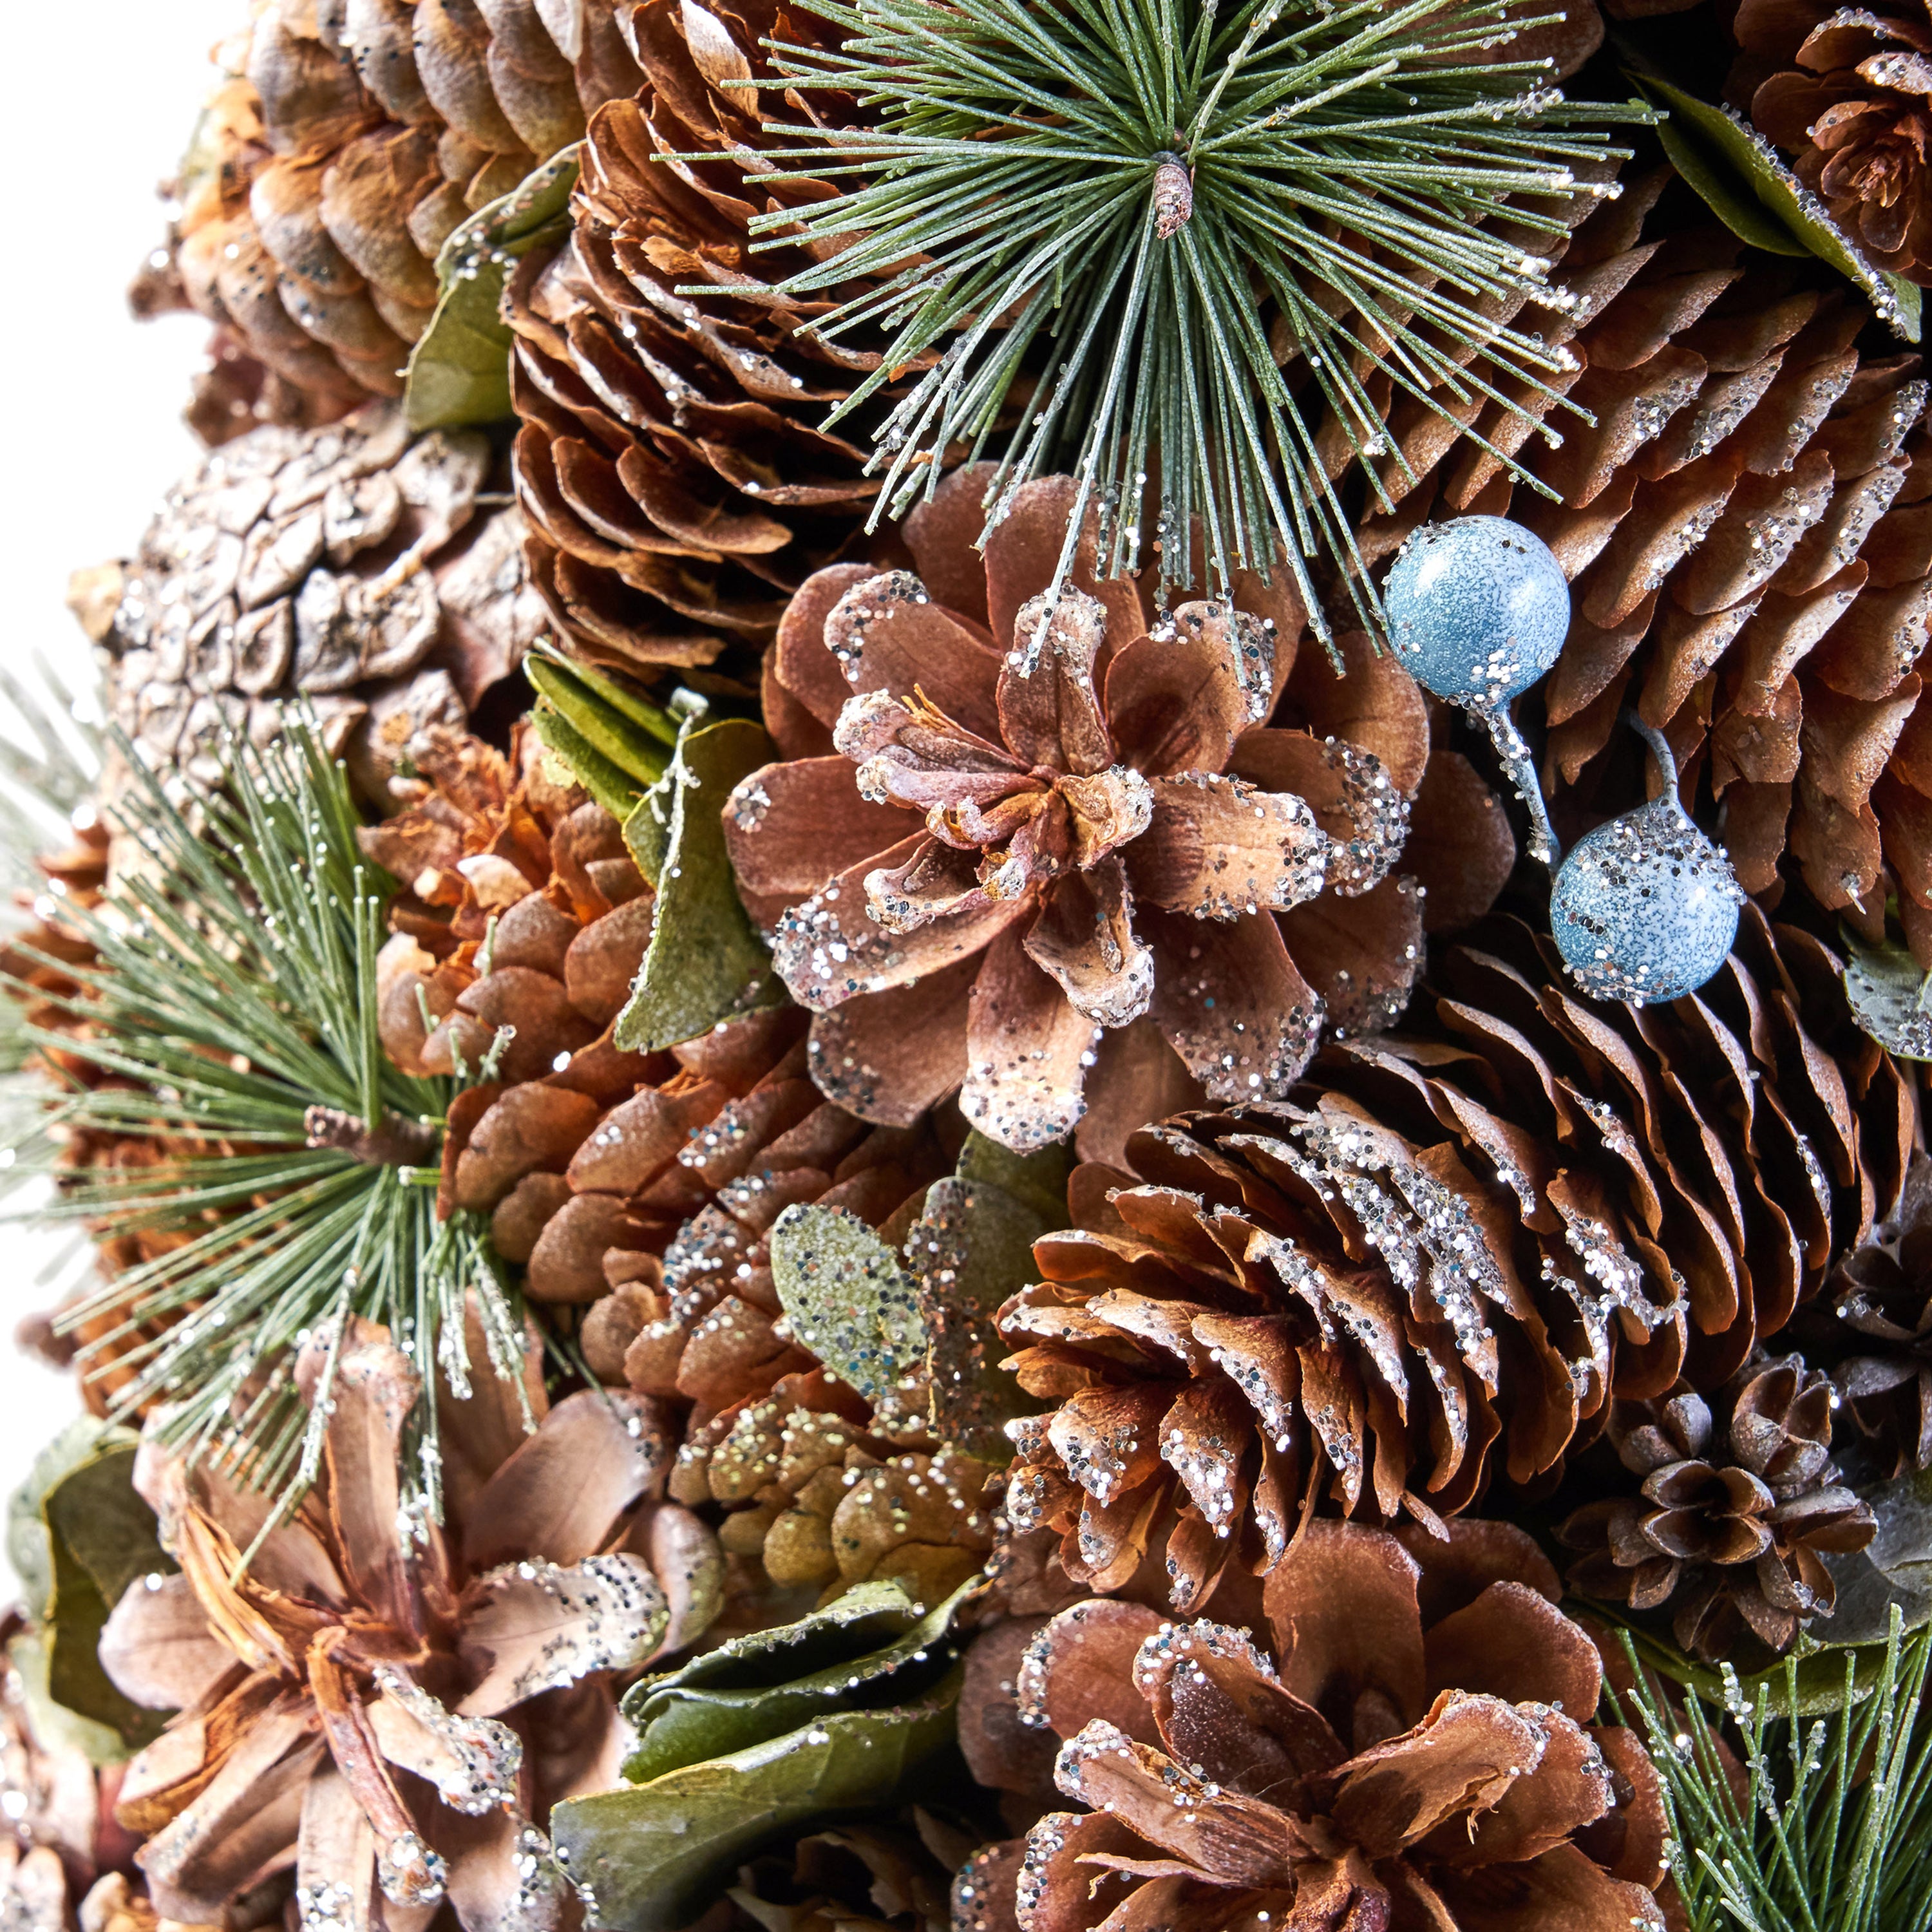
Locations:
1737 1506
354 567
1747 533
345 141
1842 91
1055 855
1410 1744
678 485
1440 1265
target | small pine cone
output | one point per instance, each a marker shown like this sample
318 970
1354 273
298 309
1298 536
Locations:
677 483
352 566
345 142
1440 1263
1843 94
1739 1504
815 1499
1744 529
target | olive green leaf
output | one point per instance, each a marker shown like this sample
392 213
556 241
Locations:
616 742
1890 997
459 372
971 1249
1740 178
705 962
841 1712
27 1541
850 1302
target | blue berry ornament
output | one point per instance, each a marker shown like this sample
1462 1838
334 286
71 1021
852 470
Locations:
1646 908
1477 609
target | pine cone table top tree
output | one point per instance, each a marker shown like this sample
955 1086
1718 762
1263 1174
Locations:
1739 1505
1418 1750
355 567
345 141
1438 1266
1071 833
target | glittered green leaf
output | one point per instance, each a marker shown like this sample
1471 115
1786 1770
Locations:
850 1302
459 372
1739 176
869 1648
705 962
851 1708
1889 997
27 1540
971 1249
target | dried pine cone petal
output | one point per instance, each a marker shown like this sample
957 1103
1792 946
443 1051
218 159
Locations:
351 566
1731 1540
1439 1263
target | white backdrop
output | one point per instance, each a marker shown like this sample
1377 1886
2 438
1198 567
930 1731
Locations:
102 105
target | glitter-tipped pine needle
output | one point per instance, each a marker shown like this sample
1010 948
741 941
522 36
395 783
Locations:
1140 239
284 1167
1828 1827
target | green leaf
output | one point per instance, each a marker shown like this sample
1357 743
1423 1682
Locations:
54 1724
740 1747
459 372
1738 175
631 736
101 1535
869 1648
1889 996
27 1541
850 1302
973 1248
705 962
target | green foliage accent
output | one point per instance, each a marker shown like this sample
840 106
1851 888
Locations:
1834 1828
236 990
843 1711
1738 175
705 961
849 1302
616 742
1890 997
460 371
1018 200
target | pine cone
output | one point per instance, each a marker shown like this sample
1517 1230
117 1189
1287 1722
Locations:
345 141
1429 1702
1734 1517
1745 533
677 485
1032 874
1840 92
1439 1263
349 566
875 1875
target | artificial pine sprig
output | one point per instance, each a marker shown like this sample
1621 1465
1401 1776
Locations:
1108 198
1833 1830
231 1021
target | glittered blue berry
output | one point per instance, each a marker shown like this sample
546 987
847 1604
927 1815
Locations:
1478 609
1646 907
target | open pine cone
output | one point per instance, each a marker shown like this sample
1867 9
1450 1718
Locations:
1438 1264
345 141
351 566
678 486
1744 532
1841 90
1739 1506
1418 1751
1087 892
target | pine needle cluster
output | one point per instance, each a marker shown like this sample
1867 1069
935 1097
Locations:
1831 1830
1130 216
230 1022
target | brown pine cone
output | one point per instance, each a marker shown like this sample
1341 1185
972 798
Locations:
678 486
1749 543
1080 894
345 141
1842 92
355 566
1417 1752
1735 1514
1439 1263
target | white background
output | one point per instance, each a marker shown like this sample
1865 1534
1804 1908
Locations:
103 101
